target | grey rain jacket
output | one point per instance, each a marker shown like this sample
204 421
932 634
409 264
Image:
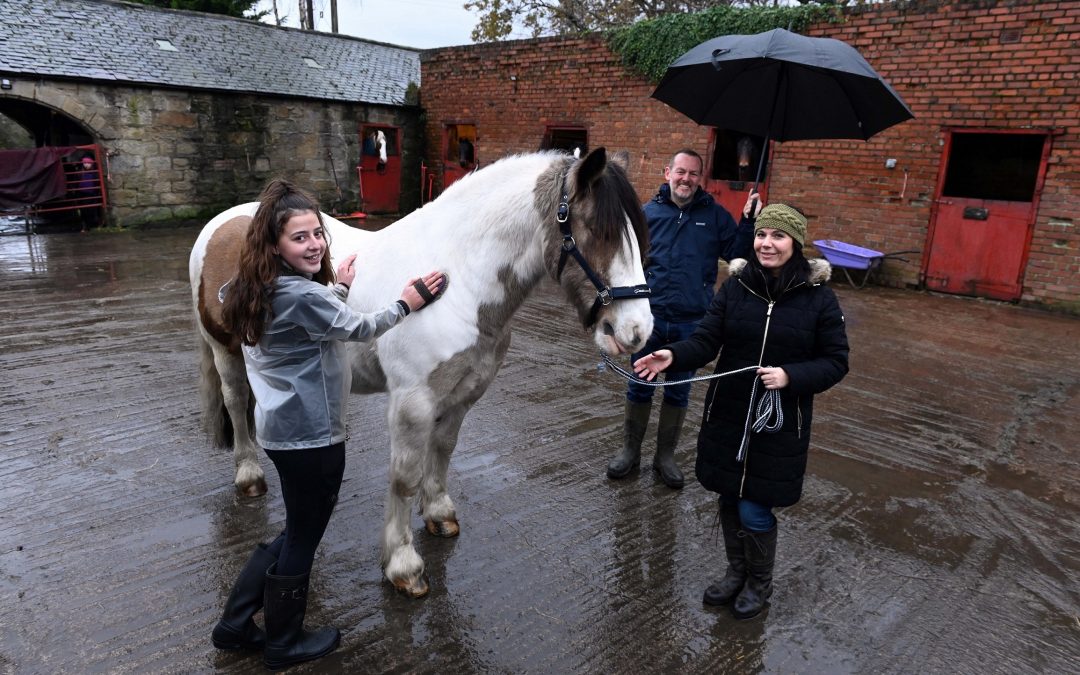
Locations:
299 372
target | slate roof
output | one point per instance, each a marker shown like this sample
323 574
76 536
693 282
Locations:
109 40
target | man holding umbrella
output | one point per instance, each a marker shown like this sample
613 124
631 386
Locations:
688 232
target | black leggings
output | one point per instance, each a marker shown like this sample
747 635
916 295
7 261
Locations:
310 480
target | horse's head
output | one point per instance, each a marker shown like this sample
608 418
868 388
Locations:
597 241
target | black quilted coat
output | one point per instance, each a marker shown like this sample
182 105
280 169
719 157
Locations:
806 338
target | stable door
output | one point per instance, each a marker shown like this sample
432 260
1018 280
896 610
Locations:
984 212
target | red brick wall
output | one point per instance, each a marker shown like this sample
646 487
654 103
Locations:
956 64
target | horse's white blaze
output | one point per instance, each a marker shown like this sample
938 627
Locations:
630 320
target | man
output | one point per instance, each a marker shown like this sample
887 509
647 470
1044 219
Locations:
688 232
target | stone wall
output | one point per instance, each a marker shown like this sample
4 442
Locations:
982 64
182 155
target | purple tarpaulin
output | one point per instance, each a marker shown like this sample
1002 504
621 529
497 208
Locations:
30 177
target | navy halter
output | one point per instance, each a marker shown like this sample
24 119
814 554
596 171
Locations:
605 295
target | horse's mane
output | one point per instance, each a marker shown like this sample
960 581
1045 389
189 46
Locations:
614 199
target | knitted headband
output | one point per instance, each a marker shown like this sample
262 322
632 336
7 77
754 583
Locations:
784 218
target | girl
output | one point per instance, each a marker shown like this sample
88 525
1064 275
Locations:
292 324
773 312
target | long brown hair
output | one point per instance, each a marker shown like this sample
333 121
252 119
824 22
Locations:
248 305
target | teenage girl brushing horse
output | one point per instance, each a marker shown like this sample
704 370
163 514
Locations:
292 324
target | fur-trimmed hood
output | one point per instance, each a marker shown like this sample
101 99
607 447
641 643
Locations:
820 269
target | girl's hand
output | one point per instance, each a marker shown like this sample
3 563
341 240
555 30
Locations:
434 282
651 365
773 378
346 271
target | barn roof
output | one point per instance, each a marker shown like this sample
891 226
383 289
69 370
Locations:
139 44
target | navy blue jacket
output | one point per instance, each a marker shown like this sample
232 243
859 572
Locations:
684 246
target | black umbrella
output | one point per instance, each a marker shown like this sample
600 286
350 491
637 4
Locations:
782 86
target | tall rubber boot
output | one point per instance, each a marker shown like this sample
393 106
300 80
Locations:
236 629
725 590
287 642
667 437
635 423
760 550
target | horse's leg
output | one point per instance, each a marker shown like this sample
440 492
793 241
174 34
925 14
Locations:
250 480
440 517
411 421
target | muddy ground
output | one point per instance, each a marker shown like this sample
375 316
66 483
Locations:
938 531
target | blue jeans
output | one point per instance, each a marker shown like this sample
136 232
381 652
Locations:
754 517
663 333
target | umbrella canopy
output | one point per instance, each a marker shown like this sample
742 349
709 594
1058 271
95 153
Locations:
783 86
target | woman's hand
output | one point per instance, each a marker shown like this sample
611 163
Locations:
651 365
434 282
346 271
773 378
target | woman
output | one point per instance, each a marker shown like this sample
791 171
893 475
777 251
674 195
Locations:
292 324
775 314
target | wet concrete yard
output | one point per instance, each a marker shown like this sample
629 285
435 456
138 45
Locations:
939 530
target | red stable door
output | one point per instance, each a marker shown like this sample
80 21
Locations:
459 156
380 168
731 165
983 215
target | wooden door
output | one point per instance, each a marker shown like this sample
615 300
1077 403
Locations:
380 168
731 166
984 212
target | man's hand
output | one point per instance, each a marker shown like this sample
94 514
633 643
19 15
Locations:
752 200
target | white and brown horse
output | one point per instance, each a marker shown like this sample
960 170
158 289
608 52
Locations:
496 233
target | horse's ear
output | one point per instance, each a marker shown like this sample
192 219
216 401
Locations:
591 168
622 159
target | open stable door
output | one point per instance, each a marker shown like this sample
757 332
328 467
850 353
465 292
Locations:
459 156
380 168
731 164
983 214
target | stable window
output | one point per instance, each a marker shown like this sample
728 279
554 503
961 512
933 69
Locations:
1002 167
735 156
574 140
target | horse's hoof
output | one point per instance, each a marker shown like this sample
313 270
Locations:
442 528
256 489
414 587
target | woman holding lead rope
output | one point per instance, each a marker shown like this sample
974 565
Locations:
774 311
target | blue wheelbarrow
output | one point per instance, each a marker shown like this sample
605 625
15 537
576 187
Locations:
850 257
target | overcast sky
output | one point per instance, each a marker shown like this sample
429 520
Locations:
409 23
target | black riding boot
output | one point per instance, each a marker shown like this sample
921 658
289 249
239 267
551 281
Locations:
286 640
635 423
760 550
725 590
236 630
667 437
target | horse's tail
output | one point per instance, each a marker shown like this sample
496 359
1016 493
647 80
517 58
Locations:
215 417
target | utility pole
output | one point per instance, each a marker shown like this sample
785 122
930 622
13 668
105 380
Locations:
333 16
